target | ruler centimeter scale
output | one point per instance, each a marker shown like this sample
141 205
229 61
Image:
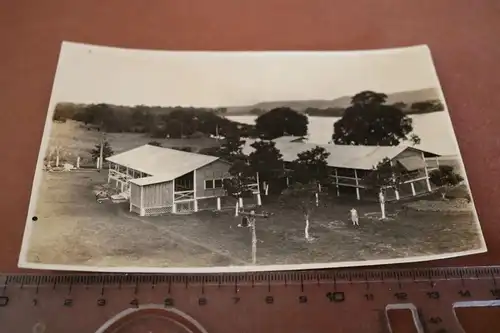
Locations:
355 300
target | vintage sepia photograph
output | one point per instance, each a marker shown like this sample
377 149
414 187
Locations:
170 161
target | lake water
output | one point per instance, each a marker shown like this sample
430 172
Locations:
434 129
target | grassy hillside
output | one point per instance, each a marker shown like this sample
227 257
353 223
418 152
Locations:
75 139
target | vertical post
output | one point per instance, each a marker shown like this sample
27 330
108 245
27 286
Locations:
437 162
254 243
194 191
101 151
98 163
218 203
109 175
287 181
240 202
357 184
174 209
396 192
413 189
259 200
236 208
78 163
142 210
337 182
426 174
258 182
381 199
57 159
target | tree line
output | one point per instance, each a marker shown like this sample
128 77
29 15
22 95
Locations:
422 107
157 122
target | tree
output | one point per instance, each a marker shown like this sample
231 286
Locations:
445 177
107 151
231 148
385 175
311 166
64 111
427 106
301 196
173 129
267 160
281 121
154 143
400 105
370 121
241 175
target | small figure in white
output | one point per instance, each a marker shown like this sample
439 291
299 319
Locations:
354 217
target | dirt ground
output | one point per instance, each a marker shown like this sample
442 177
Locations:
72 228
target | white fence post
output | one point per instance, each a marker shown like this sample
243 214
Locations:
78 162
413 189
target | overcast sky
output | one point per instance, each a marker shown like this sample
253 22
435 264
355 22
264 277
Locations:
96 74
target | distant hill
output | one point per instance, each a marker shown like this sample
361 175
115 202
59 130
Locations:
334 106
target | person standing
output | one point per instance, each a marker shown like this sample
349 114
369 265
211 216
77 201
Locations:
354 217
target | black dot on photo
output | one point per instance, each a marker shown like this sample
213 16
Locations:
34 218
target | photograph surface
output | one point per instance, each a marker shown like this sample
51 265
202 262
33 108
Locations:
169 161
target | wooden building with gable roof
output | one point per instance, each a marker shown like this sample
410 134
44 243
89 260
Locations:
349 165
162 180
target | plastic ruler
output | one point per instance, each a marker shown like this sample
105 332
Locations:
330 301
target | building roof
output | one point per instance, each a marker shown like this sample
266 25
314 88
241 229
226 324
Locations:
163 164
341 156
412 163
